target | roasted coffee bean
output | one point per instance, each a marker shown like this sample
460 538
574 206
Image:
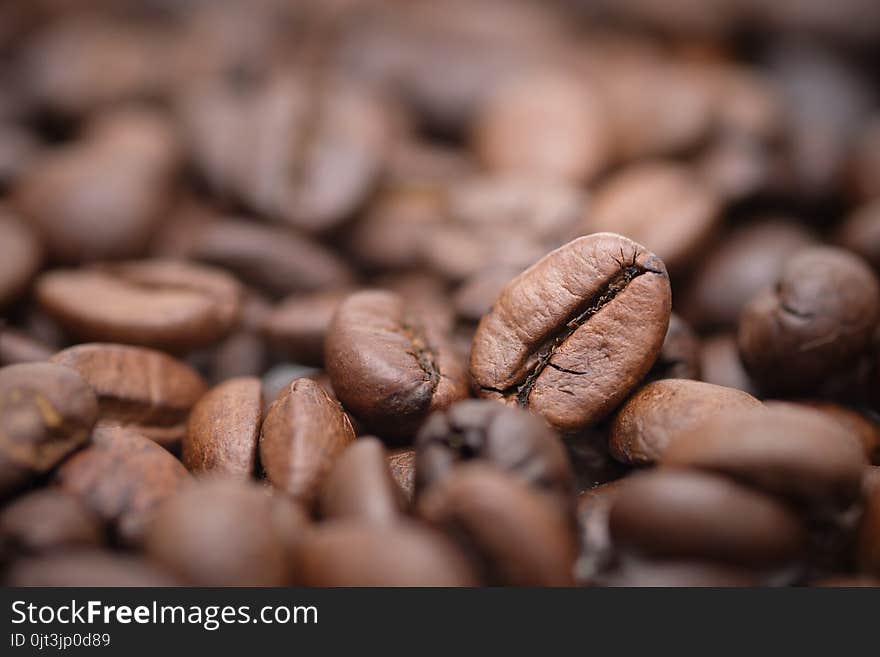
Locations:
166 305
591 459
860 233
360 485
352 553
88 568
304 433
223 429
122 477
219 532
644 425
390 366
571 336
736 167
865 428
545 125
240 354
820 317
720 363
298 325
18 347
146 389
46 520
748 260
20 257
662 205
520 536
680 354
46 412
402 462
691 515
474 297
791 452
484 431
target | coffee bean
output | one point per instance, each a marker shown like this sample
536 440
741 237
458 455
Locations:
219 532
20 257
298 325
223 429
122 477
662 205
790 452
720 363
645 424
18 347
46 412
507 438
680 354
402 462
240 354
665 573
819 318
351 553
860 233
360 485
161 304
46 520
390 366
146 389
681 514
304 433
518 535
571 336
88 568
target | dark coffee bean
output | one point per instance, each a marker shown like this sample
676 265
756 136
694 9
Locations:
304 433
520 536
223 429
167 305
46 412
509 439
571 336
390 366
298 325
18 347
101 199
791 452
644 425
360 485
868 547
820 317
720 363
680 354
219 533
20 257
88 568
44 521
690 515
350 553
591 459
748 260
545 124
122 477
663 205
146 389
402 462
860 233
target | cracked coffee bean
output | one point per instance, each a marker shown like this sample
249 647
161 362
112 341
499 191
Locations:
389 364
572 335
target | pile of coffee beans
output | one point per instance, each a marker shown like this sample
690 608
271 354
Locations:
413 293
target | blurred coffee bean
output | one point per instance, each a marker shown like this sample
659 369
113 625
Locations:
866 429
680 354
298 325
865 165
402 462
720 363
88 568
474 297
860 233
19 347
20 257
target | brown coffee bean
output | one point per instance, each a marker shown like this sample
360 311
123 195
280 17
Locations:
219 532
240 354
643 427
571 336
749 259
860 233
88 568
390 365
402 462
303 435
866 429
680 354
20 257
350 553
518 535
474 297
298 325
46 520
46 412
545 124
18 347
819 318
484 431
720 363
868 547
223 429
166 305
135 386
736 167
791 452
681 514
122 477
662 205
360 485
865 163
